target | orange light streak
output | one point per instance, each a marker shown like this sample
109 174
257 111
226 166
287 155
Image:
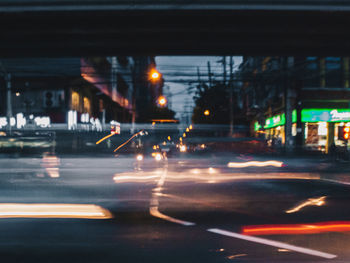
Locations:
104 138
120 146
294 229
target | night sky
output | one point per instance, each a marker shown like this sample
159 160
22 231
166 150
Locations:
180 73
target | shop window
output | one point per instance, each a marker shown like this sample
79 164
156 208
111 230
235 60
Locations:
312 133
87 106
294 129
322 128
336 126
75 101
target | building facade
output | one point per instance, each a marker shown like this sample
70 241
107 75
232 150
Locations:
78 90
302 100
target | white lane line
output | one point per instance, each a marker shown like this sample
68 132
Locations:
154 204
273 243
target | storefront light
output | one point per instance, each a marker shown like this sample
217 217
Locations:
322 128
42 122
294 129
309 115
12 121
72 119
306 131
3 121
21 121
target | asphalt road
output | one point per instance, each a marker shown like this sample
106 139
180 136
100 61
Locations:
175 210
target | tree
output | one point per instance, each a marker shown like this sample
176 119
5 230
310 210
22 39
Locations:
215 99
161 113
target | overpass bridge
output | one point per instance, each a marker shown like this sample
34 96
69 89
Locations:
212 27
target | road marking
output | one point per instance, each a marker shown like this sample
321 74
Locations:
273 243
154 204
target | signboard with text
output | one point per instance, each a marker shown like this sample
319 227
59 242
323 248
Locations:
326 115
308 115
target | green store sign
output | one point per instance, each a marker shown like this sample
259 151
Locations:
274 121
308 115
326 115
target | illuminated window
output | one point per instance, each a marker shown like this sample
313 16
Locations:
101 105
87 106
75 101
322 128
294 129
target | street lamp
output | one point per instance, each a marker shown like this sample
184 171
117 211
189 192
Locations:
154 75
206 112
162 101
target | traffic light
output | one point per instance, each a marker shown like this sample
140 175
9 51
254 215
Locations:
343 133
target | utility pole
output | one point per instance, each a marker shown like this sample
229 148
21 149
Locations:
224 69
209 74
9 101
299 139
287 109
231 94
134 94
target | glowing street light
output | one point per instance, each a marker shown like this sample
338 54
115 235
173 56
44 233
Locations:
154 75
162 101
206 112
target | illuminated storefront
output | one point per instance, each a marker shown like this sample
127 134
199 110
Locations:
317 124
